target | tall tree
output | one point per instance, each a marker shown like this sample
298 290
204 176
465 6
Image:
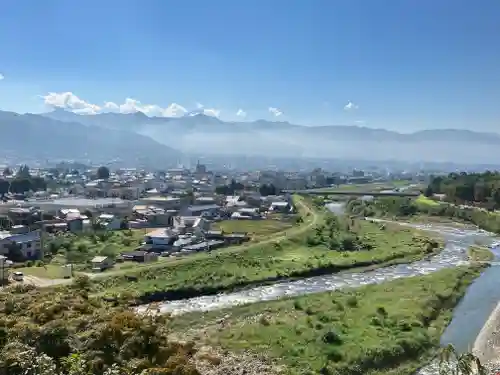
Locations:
7 172
24 172
4 187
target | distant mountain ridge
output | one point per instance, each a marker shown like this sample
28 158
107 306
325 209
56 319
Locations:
199 121
202 134
42 137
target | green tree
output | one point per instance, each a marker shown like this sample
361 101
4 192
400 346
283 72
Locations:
103 173
14 252
24 172
21 185
4 187
7 172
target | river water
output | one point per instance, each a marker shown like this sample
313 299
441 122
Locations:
469 316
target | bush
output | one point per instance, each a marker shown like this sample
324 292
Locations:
332 337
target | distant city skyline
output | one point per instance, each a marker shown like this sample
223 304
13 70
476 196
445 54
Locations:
400 66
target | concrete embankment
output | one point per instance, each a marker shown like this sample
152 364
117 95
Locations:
487 344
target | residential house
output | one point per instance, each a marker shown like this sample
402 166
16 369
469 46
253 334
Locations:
205 246
28 243
155 216
183 241
167 203
140 256
110 222
246 214
68 212
235 238
23 215
101 263
191 224
207 210
234 204
206 200
214 235
161 237
281 207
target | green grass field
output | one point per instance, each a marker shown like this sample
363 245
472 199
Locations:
261 263
49 271
389 328
255 228
425 201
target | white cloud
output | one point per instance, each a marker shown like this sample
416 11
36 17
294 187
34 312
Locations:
241 113
350 106
275 111
71 102
1 76
360 122
212 112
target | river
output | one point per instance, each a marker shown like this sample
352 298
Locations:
469 316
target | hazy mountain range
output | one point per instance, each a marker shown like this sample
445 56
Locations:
203 134
38 137
137 137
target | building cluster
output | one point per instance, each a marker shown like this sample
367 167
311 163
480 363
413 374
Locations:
176 210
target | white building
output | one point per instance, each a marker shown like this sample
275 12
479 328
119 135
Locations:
160 237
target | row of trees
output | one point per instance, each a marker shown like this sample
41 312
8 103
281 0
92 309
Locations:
482 189
23 182
230 189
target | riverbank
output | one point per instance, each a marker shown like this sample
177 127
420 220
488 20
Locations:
318 253
389 328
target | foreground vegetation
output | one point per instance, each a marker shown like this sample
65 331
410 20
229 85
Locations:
333 246
390 328
50 332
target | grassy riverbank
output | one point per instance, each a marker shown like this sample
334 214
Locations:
424 208
332 246
379 329
478 253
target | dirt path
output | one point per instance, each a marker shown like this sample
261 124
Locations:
43 282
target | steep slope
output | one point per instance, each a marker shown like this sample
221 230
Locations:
36 136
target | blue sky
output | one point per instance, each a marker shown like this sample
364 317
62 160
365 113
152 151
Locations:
404 65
